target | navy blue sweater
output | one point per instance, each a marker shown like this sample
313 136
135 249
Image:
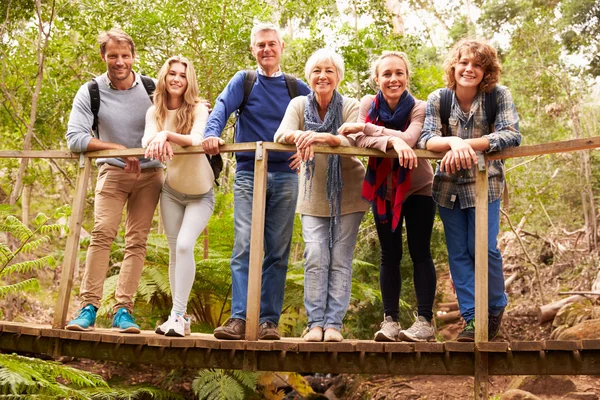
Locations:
262 115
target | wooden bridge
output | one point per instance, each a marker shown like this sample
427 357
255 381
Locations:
479 359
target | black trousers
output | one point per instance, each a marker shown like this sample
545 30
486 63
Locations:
418 212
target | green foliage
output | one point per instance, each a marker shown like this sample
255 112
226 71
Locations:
31 378
219 384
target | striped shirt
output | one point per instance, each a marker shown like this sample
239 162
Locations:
447 187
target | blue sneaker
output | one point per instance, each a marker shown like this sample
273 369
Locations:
85 320
123 321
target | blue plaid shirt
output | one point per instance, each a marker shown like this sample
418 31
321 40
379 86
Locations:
447 187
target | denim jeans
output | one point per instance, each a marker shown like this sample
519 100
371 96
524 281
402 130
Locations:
280 207
328 271
459 228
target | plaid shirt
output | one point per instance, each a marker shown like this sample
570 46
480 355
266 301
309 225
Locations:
447 187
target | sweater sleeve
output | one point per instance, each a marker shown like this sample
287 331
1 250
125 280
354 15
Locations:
228 101
349 114
80 121
200 118
150 129
293 120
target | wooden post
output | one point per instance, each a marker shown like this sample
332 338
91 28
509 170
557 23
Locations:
257 234
72 247
481 277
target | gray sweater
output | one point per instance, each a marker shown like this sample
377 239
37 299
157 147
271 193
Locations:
121 119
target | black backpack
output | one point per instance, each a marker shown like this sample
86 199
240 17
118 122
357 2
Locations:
491 108
216 161
290 81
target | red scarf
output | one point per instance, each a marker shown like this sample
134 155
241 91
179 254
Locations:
374 187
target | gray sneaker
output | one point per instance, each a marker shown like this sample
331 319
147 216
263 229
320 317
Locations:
421 331
389 331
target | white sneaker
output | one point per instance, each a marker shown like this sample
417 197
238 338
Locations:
389 330
163 328
421 331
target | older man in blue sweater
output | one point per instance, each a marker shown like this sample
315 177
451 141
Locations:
258 121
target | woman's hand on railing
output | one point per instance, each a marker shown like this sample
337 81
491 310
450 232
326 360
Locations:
295 162
159 147
349 128
460 156
406 155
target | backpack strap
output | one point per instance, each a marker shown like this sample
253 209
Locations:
292 85
95 98
249 82
491 107
445 108
94 103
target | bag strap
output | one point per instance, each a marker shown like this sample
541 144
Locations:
249 82
292 85
445 108
94 91
491 107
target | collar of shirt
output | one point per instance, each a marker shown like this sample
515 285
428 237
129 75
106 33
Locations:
275 75
110 84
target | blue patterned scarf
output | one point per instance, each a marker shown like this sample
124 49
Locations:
331 124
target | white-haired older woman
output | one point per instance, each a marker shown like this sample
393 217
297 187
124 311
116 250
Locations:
329 199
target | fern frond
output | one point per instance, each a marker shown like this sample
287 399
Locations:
217 385
52 228
16 228
28 266
5 254
246 378
154 282
131 392
40 219
27 285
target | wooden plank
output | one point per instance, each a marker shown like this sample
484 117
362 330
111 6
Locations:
459 347
233 345
481 277
346 346
91 336
260 345
492 347
31 330
205 341
70 335
548 148
11 328
226 148
54 154
590 344
526 346
312 347
370 346
399 347
50 332
562 345
257 234
158 341
282 345
429 347
183 342
72 247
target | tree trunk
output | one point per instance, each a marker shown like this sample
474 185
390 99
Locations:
43 39
25 201
547 312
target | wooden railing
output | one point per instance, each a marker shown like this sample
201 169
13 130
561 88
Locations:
262 150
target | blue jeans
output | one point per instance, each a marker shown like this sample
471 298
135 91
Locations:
328 271
280 207
459 228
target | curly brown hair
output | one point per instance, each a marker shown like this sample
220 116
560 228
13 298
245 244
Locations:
483 53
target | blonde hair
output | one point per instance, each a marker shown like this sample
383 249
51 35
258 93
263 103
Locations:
483 53
185 113
401 55
118 36
322 55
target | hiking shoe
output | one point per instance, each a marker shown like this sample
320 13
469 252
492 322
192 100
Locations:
85 319
176 326
494 323
467 334
163 328
389 331
232 329
268 331
123 322
420 331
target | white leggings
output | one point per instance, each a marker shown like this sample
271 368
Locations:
184 218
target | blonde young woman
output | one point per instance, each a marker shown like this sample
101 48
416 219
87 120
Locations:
400 192
177 118
329 199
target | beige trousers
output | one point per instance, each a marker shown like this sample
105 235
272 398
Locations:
114 189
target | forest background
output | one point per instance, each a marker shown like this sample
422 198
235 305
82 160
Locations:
550 51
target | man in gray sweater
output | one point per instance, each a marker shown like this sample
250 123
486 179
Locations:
134 181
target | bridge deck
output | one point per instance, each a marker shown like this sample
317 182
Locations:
293 354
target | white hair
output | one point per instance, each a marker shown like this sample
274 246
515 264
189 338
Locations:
322 55
264 26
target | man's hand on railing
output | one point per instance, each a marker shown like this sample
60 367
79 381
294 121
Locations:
211 145
132 165
295 162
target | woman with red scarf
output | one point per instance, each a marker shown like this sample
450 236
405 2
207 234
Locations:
399 190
